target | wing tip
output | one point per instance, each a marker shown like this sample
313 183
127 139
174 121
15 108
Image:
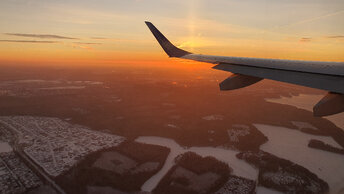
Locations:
169 48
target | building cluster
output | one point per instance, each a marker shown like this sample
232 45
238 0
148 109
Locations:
238 185
15 176
54 144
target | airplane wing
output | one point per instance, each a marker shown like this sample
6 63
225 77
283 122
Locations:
327 76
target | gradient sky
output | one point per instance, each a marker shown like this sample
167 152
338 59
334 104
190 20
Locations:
110 32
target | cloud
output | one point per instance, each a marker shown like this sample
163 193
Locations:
99 38
45 36
28 41
305 39
87 43
82 47
311 19
335 37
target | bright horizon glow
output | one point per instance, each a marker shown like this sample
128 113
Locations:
112 32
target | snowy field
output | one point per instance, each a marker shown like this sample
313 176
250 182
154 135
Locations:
292 145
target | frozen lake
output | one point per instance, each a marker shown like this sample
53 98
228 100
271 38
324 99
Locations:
307 102
285 143
292 145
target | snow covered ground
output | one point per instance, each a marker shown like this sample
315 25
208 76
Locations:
5 147
307 102
64 88
292 144
235 134
39 81
237 185
213 117
264 190
240 167
303 125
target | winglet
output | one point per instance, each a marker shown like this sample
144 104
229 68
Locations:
168 47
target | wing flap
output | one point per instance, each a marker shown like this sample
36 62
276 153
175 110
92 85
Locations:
237 81
319 81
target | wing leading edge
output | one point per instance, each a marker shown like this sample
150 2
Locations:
327 76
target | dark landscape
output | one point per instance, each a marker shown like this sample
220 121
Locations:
186 107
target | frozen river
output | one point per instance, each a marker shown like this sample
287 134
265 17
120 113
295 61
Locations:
283 142
240 167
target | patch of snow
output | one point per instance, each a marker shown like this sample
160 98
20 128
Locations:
39 81
241 126
85 82
93 82
28 81
171 126
64 88
264 190
146 167
237 185
234 134
292 145
5 147
213 117
114 161
103 190
281 178
196 182
303 125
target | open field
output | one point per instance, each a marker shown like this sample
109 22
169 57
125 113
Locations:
125 168
194 174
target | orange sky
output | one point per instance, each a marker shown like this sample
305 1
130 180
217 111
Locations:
113 32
